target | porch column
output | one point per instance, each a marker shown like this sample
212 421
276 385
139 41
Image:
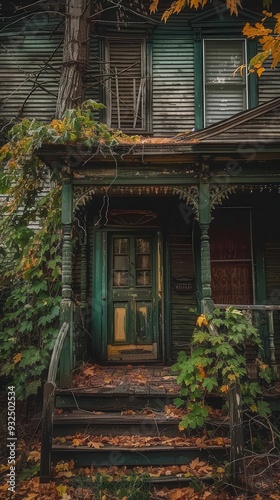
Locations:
204 221
66 359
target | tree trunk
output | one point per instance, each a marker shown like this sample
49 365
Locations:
75 55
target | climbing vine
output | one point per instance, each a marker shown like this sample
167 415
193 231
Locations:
30 249
218 360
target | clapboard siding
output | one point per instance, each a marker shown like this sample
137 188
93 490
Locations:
268 84
30 71
272 270
173 78
182 320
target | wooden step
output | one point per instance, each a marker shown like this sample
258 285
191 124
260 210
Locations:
114 423
107 456
113 401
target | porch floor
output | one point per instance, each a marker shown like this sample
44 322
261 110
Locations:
126 379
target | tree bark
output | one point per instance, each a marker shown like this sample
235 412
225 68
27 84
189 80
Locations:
75 55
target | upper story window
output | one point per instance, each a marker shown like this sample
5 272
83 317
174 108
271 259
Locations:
126 83
224 95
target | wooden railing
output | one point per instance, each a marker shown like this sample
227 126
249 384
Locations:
48 406
257 311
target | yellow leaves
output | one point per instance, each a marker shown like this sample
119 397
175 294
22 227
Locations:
61 489
34 456
257 30
260 71
231 376
201 320
224 389
17 357
178 5
201 370
261 365
254 408
94 445
233 5
154 6
77 442
3 468
58 126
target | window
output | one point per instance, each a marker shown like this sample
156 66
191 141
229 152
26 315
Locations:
224 95
126 83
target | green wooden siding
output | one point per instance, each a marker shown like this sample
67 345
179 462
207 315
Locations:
182 320
268 84
173 78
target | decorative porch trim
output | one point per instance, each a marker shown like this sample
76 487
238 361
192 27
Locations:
220 192
84 194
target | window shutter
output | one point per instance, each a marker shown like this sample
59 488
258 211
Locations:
224 95
126 84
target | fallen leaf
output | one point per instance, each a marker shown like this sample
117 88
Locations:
94 445
61 489
34 455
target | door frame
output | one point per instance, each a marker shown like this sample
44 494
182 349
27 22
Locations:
100 296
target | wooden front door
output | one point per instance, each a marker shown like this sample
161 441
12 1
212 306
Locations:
130 321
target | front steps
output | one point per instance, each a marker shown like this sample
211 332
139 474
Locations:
128 424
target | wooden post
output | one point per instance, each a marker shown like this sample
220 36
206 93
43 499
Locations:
204 221
47 428
66 360
273 363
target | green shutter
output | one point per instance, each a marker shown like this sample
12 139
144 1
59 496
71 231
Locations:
173 78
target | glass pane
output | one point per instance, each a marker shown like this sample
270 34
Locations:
222 58
143 261
143 278
143 245
121 262
222 103
225 95
120 245
120 278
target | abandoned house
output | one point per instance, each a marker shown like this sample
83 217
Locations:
185 218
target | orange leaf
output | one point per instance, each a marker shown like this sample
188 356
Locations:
94 445
17 357
224 388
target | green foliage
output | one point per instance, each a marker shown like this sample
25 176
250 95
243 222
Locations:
30 249
217 361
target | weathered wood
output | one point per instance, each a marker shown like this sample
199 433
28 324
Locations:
47 431
48 406
271 341
66 359
56 353
154 455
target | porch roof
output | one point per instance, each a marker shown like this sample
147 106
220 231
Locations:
256 126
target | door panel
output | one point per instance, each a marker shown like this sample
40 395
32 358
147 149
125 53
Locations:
132 293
